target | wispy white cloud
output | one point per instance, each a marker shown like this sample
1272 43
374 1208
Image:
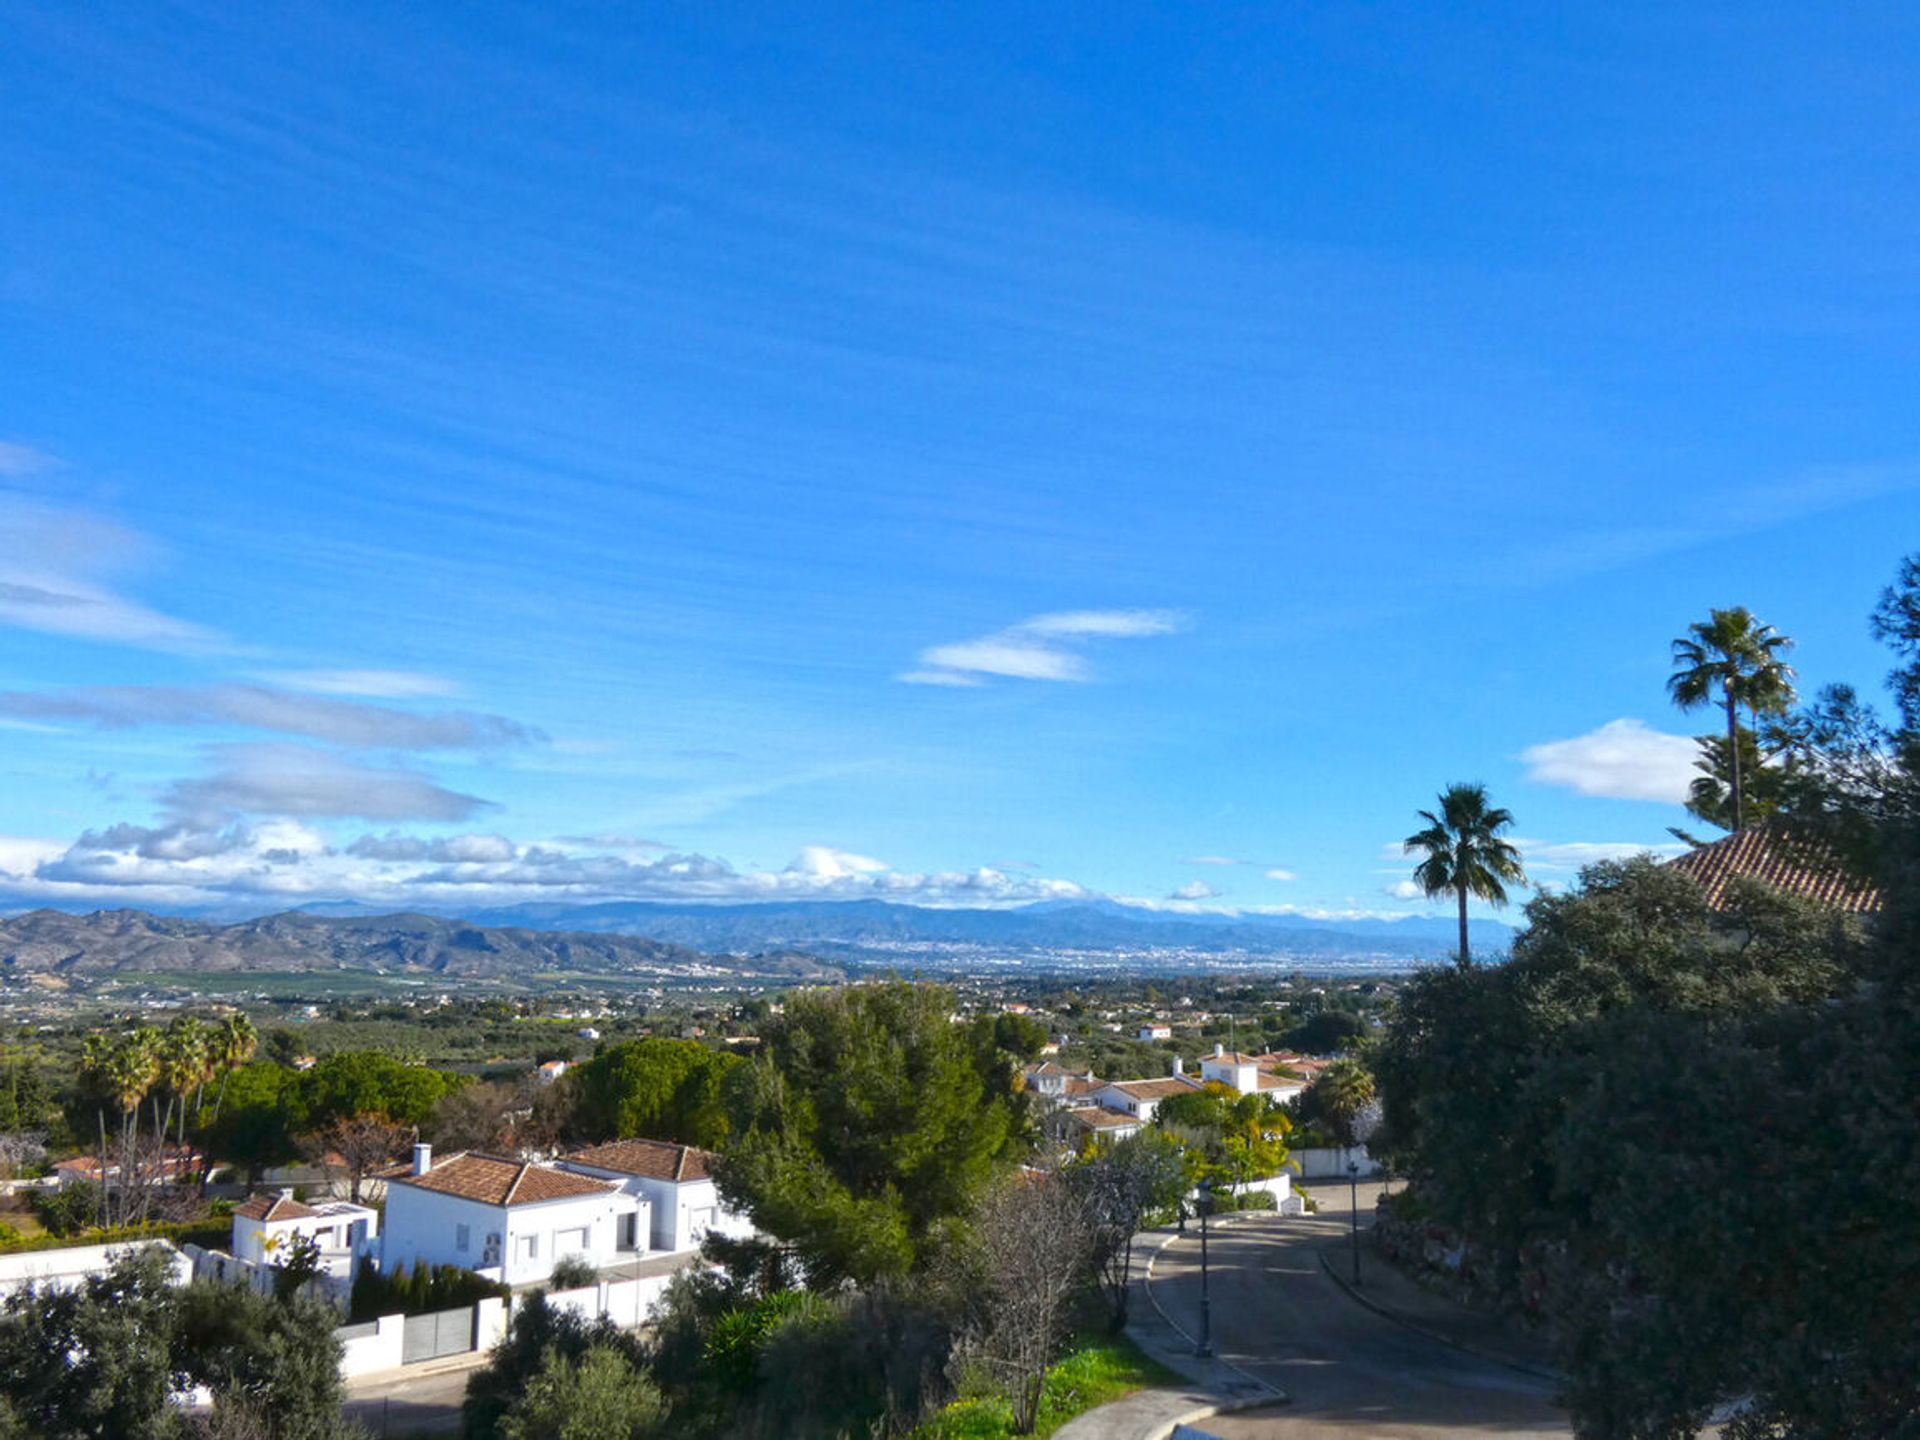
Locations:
258 707
295 780
1270 871
1624 759
18 461
370 684
1195 890
1574 854
1404 890
56 565
1037 648
941 677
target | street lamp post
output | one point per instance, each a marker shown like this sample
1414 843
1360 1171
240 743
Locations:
1205 1348
1353 1191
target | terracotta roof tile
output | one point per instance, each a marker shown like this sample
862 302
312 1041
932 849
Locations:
1096 1118
274 1207
494 1180
651 1159
1802 869
1154 1089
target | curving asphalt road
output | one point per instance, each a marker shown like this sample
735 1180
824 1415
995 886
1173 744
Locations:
1351 1373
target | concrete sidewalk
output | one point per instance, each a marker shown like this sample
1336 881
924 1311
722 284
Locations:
1214 1387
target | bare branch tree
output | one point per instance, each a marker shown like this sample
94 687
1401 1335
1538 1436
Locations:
1118 1186
1034 1252
358 1146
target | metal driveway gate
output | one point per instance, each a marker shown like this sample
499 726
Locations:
428 1337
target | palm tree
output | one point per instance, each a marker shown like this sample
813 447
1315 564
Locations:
1731 659
233 1045
96 1077
183 1052
1464 852
122 1071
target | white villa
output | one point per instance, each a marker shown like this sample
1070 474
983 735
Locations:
1140 1098
1073 1125
509 1220
264 1226
1248 1074
672 1182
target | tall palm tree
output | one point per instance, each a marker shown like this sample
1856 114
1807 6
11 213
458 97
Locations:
97 1079
1464 852
183 1051
1731 659
121 1071
233 1045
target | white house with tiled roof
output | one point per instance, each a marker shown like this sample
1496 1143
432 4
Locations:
510 1220
1140 1098
670 1182
264 1226
1074 1125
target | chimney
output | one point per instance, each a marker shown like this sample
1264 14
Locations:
422 1157
286 1192
1179 1067
1218 1048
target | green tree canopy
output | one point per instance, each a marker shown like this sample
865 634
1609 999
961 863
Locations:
600 1396
657 1088
365 1082
867 1126
101 1361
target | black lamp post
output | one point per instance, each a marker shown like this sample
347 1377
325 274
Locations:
1205 1348
1353 1191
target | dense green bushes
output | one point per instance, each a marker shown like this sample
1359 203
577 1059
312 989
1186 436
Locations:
210 1234
419 1290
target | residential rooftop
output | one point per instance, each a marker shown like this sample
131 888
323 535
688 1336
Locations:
1804 869
649 1159
495 1180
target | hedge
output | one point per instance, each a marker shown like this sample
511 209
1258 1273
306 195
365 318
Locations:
210 1234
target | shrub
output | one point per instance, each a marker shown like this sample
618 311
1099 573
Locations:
68 1209
575 1272
418 1291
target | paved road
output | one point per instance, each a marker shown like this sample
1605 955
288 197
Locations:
1352 1374
389 1405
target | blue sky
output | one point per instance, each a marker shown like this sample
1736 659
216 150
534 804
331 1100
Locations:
476 453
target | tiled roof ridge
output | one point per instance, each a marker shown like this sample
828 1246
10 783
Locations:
1767 852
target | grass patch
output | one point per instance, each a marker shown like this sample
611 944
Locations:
1093 1372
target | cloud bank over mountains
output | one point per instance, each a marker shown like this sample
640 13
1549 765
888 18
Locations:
283 862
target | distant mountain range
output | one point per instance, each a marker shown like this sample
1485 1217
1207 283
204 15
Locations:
809 939
109 941
854 930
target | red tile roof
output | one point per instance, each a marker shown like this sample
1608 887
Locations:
650 1159
1095 1118
1803 869
274 1207
1154 1089
493 1180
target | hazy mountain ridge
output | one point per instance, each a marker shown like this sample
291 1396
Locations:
107 941
848 927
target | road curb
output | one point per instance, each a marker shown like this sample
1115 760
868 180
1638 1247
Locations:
1366 1301
1274 1394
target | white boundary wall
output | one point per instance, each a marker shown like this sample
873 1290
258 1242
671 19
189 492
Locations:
1331 1163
